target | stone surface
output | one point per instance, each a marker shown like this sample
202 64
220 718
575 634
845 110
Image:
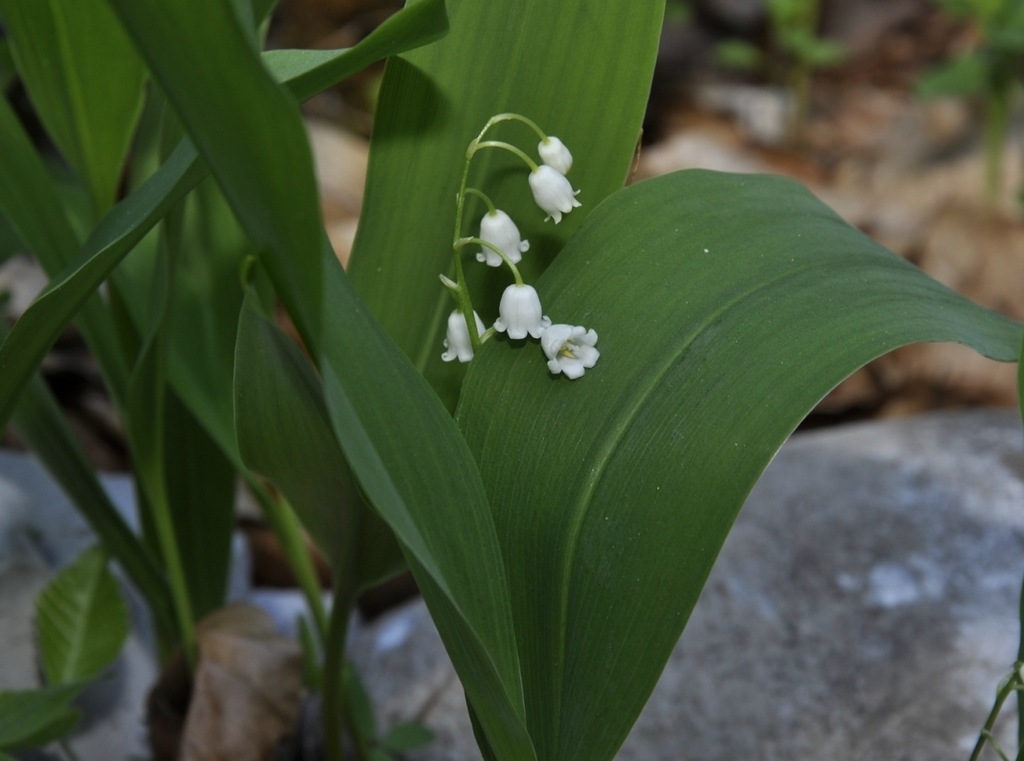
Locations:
864 607
40 532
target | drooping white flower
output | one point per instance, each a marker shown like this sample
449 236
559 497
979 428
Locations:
570 349
457 341
498 228
552 192
554 153
520 313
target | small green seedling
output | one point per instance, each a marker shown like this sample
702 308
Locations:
796 52
990 72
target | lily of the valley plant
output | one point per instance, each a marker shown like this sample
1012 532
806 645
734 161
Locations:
570 350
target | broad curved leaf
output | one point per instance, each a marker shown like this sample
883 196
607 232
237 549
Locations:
726 306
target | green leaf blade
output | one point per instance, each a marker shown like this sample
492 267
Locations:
31 718
86 88
82 621
548 62
726 307
416 471
284 434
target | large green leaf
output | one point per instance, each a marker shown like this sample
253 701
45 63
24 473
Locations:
81 620
580 68
85 81
726 307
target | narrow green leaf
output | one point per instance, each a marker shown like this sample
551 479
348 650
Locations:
384 414
726 307
246 128
284 434
308 72
152 428
81 620
41 423
201 495
381 408
204 246
552 62
30 202
85 81
31 718
124 226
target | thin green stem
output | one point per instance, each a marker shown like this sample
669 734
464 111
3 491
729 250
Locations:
465 304
996 120
491 208
288 530
336 713
509 116
504 147
461 293
1011 684
175 572
488 245
1020 677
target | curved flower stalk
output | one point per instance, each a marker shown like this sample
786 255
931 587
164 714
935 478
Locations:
521 313
570 349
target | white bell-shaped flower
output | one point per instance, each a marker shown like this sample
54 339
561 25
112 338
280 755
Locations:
554 153
498 228
520 313
552 192
570 349
457 341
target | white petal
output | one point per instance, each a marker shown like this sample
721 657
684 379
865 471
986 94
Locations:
552 192
570 349
499 229
521 313
554 153
457 340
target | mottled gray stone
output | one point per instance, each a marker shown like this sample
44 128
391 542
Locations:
864 607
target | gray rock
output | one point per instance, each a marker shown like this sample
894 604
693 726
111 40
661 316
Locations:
864 607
